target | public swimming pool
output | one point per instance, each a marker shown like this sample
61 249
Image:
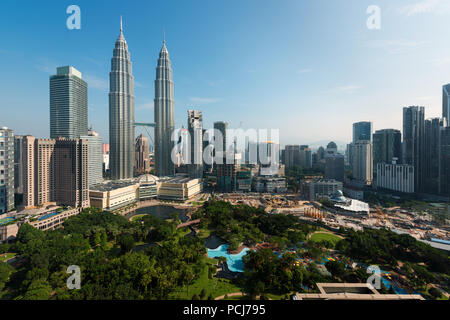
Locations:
48 215
6 220
234 261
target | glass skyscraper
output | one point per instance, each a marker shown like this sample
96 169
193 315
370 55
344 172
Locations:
6 170
362 131
164 115
68 104
195 127
387 144
95 157
121 112
413 142
446 103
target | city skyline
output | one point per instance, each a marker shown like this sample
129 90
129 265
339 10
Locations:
316 86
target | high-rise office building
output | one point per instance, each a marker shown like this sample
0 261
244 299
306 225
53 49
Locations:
413 142
292 156
361 152
68 104
362 131
164 115
95 157
195 128
444 162
6 170
334 167
387 144
446 103
121 111
305 156
142 157
220 142
397 177
431 155
56 171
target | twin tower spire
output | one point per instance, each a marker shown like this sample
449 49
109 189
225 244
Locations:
121 112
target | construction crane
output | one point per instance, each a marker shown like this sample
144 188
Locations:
381 215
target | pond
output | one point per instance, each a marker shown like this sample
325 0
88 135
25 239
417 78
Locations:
234 261
158 211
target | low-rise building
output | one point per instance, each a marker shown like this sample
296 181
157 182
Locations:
352 291
148 187
53 219
112 195
270 184
179 188
320 188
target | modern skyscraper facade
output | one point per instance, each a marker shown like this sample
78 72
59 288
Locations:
397 177
56 171
362 131
68 104
361 152
292 156
220 143
387 144
446 103
444 162
164 114
95 157
195 128
6 170
431 158
334 167
121 111
413 142
142 156
18 168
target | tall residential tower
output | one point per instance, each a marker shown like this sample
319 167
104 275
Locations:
121 111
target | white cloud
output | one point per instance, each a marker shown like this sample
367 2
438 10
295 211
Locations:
440 62
145 106
395 46
198 100
304 71
46 66
347 88
95 82
426 6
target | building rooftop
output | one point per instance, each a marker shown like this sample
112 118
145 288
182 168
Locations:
112 185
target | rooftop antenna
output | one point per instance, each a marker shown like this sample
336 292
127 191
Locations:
121 29
164 36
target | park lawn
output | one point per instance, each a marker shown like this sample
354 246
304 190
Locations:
215 287
136 217
324 236
203 233
6 256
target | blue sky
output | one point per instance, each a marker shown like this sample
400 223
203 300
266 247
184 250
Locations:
308 67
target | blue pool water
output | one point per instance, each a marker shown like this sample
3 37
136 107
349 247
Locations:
48 215
6 220
234 261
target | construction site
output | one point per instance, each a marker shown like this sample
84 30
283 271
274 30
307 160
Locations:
419 225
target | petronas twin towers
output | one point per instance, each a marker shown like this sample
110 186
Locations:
121 113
